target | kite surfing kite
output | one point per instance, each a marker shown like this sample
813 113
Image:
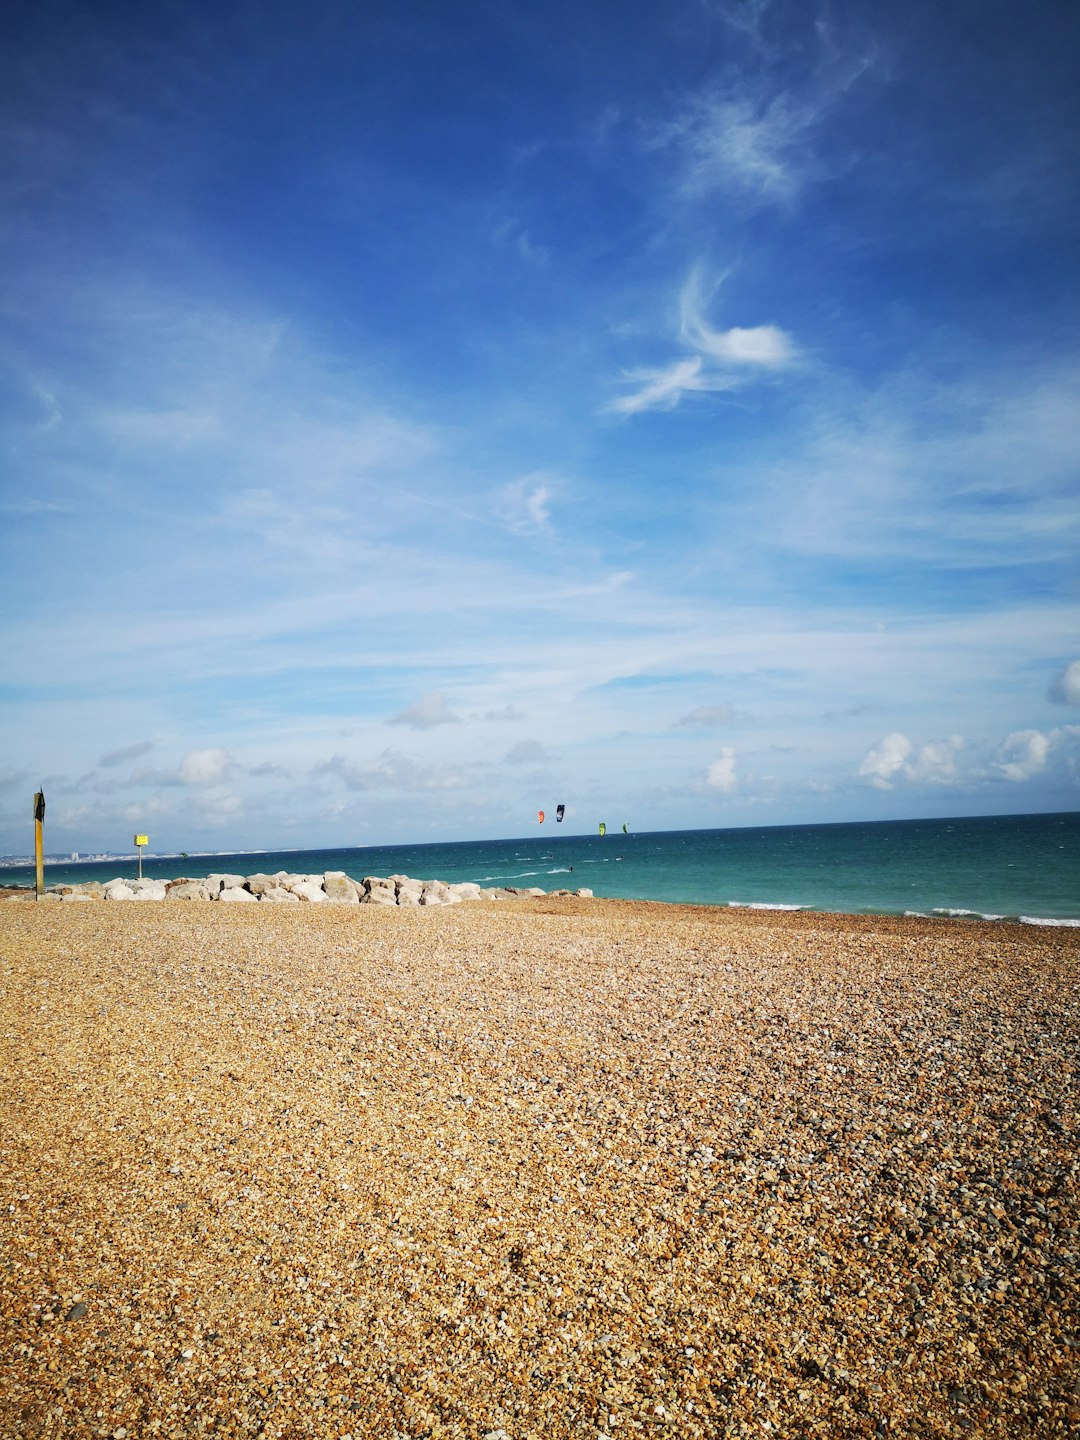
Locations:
540 816
560 811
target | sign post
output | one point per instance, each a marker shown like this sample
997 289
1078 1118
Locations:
140 841
39 852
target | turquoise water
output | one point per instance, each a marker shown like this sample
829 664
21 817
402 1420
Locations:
1001 866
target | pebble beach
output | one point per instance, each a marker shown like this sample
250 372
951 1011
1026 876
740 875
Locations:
556 1167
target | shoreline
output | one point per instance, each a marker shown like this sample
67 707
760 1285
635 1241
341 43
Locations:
338 887
556 1167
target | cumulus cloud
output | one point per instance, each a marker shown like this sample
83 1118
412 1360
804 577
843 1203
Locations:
430 710
125 753
1023 754
724 359
508 712
1066 687
721 773
882 761
527 752
204 767
895 758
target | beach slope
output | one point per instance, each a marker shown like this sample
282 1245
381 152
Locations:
551 1168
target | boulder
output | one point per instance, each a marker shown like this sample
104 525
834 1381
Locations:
259 884
237 895
405 886
308 889
379 893
188 890
148 889
219 882
437 892
339 888
466 890
278 895
118 890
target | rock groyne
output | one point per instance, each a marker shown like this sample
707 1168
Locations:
284 888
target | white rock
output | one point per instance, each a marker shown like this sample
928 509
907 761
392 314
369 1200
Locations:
117 890
308 890
188 890
380 895
339 888
149 889
225 879
237 895
278 895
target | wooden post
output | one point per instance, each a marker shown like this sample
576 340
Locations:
39 850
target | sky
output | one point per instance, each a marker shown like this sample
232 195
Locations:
416 416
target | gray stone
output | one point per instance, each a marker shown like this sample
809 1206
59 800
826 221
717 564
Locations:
259 884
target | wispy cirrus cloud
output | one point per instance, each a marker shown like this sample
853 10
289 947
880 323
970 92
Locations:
723 359
524 505
757 147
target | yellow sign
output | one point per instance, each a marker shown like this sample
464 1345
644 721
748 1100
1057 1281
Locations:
142 839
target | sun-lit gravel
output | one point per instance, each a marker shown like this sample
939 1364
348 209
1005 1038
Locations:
546 1168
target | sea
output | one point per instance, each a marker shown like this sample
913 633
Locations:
1003 867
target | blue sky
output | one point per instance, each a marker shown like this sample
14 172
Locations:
413 416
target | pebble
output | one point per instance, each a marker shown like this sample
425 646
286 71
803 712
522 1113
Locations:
718 1174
